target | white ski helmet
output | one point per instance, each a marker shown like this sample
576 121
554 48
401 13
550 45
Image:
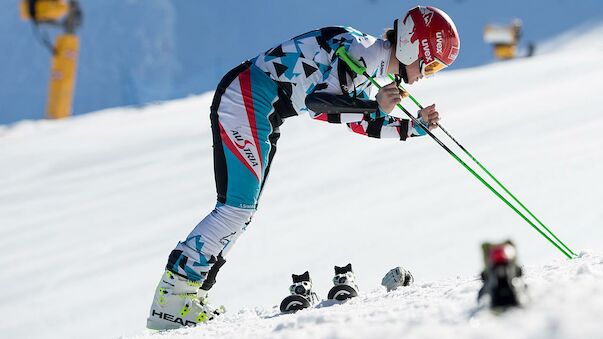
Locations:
428 34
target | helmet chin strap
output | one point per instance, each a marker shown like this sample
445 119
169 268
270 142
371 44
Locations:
401 66
402 72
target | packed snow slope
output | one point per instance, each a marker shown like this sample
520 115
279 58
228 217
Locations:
90 208
139 51
566 301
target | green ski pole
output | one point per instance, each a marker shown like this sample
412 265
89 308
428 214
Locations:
488 173
358 69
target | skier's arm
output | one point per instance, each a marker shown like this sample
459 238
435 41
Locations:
362 116
343 98
386 126
330 100
339 108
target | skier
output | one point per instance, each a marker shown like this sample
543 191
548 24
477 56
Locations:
299 76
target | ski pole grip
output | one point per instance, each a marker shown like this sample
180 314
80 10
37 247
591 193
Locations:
343 55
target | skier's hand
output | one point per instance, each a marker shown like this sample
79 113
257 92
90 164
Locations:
397 277
388 97
430 116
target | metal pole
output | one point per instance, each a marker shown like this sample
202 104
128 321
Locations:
489 174
342 53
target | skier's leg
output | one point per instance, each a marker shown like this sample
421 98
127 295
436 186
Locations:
213 272
243 134
273 138
193 257
244 140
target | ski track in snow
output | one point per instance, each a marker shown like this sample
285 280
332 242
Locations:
90 208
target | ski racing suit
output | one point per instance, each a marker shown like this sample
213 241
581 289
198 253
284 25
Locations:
300 76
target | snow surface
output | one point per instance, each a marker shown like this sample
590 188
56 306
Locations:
90 208
567 300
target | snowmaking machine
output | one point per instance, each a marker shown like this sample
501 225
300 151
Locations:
505 40
67 16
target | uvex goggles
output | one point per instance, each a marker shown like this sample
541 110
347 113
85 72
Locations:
431 68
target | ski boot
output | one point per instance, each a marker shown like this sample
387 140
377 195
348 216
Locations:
179 302
397 277
502 277
345 285
301 294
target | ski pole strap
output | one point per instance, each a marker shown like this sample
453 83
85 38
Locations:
392 78
353 64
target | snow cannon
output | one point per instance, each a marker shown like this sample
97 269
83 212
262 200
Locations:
43 10
301 296
68 16
345 284
503 285
505 39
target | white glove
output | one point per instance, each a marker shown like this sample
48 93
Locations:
397 277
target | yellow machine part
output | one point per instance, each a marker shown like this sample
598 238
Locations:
62 76
46 10
505 52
